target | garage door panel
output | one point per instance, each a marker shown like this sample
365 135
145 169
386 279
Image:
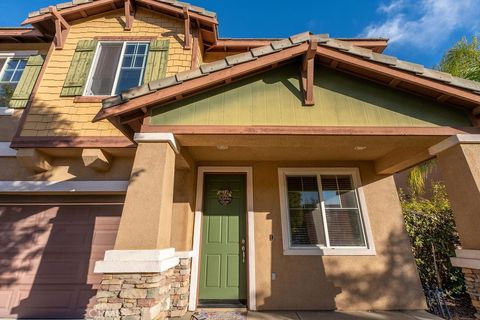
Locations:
48 255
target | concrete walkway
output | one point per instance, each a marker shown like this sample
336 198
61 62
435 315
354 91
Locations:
236 314
359 315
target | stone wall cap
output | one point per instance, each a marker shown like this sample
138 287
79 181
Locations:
139 255
136 266
185 254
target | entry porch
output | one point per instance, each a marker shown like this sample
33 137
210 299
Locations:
349 251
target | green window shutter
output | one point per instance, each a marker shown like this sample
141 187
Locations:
79 68
156 67
27 82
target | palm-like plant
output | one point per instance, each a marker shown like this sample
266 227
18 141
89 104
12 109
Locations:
462 60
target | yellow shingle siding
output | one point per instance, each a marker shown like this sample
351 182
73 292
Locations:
52 115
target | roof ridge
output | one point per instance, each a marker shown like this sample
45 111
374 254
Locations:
74 3
279 45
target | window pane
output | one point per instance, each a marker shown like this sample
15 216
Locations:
7 75
106 68
342 211
129 78
306 221
13 70
132 69
344 228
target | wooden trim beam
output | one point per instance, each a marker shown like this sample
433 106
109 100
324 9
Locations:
403 76
129 15
71 142
195 49
308 73
401 159
186 17
310 130
61 27
394 82
476 111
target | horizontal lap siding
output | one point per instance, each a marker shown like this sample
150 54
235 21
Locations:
52 115
274 98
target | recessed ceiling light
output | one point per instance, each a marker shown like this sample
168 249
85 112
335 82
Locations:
222 147
359 148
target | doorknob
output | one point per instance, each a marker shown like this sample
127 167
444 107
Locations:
243 250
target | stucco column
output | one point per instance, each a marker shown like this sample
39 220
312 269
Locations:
141 276
147 212
459 161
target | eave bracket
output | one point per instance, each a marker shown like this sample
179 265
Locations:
308 73
61 27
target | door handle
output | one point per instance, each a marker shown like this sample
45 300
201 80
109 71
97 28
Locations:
243 250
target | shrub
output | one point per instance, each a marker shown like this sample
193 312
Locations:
433 235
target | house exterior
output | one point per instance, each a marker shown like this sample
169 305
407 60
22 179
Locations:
150 167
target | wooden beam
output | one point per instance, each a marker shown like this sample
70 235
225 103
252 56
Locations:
195 49
186 17
334 64
476 111
401 159
128 15
308 73
404 76
61 27
443 98
394 82
310 130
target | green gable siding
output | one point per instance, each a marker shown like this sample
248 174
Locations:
274 98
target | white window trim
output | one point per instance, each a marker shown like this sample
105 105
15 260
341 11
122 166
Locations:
368 250
5 111
93 67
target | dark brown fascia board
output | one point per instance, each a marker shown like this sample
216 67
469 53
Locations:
167 8
71 142
24 35
232 44
210 80
395 73
310 130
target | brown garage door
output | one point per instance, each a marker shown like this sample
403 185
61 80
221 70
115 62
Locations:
47 255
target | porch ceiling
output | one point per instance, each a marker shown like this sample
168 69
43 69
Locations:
390 153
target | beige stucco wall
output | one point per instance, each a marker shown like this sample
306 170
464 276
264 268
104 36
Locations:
463 185
52 115
183 209
65 169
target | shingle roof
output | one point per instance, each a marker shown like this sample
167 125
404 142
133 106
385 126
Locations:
276 46
74 3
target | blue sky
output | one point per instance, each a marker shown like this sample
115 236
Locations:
420 30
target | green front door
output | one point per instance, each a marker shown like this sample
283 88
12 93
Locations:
223 255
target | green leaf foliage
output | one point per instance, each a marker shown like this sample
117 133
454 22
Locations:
431 227
463 59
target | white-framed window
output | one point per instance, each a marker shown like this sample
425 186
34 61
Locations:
12 65
117 66
323 212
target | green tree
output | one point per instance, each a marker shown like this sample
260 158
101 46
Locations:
462 60
431 227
